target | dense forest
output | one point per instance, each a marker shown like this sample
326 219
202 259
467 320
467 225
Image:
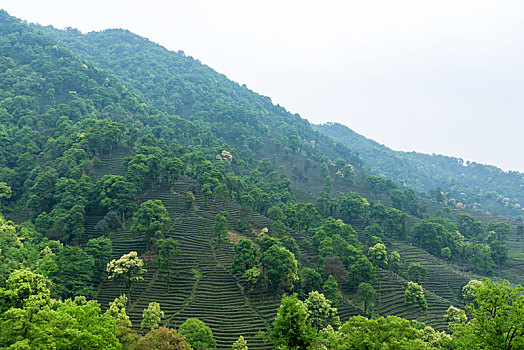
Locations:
457 182
148 202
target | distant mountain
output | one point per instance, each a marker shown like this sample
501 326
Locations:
469 184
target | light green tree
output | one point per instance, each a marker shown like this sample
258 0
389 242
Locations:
5 192
496 320
127 270
415 294
117 310
290 328
469 291
220 227
320 314
30 319
151 316
197 334
383 333
240 344
330 289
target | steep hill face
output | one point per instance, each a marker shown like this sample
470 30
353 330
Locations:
178 84
89 134
475 186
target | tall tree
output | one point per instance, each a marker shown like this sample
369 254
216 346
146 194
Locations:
166 252
496 318
280 267
127 270
320 314
290 328
365 294
151 221
100 249
220 227
415 294
245 256
330 289
151 316
417 272
198 334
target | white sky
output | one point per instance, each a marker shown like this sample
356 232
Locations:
432 76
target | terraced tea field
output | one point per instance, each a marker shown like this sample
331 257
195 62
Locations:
203 286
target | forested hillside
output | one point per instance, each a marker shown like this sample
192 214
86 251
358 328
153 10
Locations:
464 184
148 202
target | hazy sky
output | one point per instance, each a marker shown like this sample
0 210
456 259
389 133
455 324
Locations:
432 76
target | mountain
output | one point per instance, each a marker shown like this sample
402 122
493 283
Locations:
134 175
465 184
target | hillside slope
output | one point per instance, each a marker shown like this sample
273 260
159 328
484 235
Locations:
89 132
477 186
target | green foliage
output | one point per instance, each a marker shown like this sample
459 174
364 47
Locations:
362 271
496 321
365 294
220 227
151 221
280 267
197 334
469 290
378 255
151 316
240 344
310 280
100 249
5 191
117 311
415 294
330 289
126 270
320 314
76 273
117 194
166 252
290 328
469 227
30 319
394 261
383 333
20 287
417 272
476 185
455 315
245 256
445 253
160 339
501 229
253 278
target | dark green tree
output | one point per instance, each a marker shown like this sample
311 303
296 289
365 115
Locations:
166 252
280 267
245 256
365 294
151 221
